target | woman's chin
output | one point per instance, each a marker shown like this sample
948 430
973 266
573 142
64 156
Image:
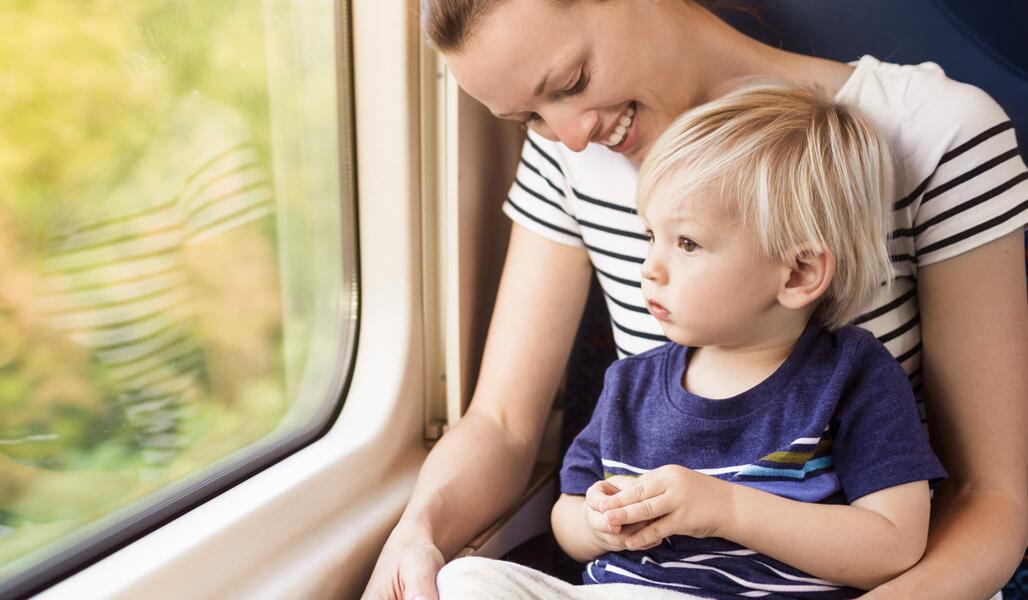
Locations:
638 154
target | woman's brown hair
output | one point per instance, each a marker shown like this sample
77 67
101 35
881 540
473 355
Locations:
449 23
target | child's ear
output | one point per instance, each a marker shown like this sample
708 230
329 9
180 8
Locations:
807 279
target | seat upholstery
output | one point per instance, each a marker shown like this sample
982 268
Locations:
984 47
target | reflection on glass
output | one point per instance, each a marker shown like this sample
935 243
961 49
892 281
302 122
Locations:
141 319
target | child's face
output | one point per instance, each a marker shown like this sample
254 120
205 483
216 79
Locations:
705 278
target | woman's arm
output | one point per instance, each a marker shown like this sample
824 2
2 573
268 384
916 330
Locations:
974 326
479 468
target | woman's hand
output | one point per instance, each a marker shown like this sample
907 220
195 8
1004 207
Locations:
671 500
405 572
607 535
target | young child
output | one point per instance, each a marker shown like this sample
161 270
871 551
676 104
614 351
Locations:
769 450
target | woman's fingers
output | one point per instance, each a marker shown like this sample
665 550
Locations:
418 571
406 573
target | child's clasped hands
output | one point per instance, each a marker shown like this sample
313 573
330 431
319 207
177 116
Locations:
638 513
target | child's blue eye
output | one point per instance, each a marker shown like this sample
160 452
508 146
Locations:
688 245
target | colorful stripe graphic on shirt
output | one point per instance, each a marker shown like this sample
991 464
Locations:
805 458
803 471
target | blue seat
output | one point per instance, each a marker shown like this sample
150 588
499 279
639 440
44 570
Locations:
974 42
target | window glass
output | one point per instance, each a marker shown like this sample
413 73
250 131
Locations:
176 246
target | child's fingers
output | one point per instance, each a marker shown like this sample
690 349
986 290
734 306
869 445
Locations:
650 536
621 482
648 509
598 522
627 531
597 492
648 546
640 489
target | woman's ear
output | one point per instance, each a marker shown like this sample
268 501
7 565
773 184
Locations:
807 278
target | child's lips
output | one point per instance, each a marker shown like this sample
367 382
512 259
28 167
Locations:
657 310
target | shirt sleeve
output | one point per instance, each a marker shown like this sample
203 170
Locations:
226 184
539 197
979 189
230 190
878 438
582 462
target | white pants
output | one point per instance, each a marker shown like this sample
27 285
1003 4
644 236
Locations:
475 578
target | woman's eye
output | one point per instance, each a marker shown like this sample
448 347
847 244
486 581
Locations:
687 244
583 80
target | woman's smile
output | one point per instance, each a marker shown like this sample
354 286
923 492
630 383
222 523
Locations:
623 126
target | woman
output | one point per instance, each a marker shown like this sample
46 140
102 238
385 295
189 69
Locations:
596 83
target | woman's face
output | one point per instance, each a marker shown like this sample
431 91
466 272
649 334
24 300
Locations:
614 73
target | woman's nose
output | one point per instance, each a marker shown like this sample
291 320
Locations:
574 129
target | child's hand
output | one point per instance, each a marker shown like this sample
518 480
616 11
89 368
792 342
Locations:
610 536
671 500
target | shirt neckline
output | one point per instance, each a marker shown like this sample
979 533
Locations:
741 405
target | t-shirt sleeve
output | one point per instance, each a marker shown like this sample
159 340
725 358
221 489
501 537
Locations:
539 197
582 462
979 189
878 441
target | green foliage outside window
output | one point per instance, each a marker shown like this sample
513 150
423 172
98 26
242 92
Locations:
96 95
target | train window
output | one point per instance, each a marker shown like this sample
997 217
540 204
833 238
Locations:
177 222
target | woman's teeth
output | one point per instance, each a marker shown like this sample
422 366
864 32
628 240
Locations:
622 129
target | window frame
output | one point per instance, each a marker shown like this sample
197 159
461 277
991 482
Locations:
258 517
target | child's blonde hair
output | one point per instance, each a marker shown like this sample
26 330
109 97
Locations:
802 172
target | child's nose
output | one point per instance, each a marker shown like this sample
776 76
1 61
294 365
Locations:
652 269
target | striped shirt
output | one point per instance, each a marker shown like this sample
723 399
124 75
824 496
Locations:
963 185
834 423
118 283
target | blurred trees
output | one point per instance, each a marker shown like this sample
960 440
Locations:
85 86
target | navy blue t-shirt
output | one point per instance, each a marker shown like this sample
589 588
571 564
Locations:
835 422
